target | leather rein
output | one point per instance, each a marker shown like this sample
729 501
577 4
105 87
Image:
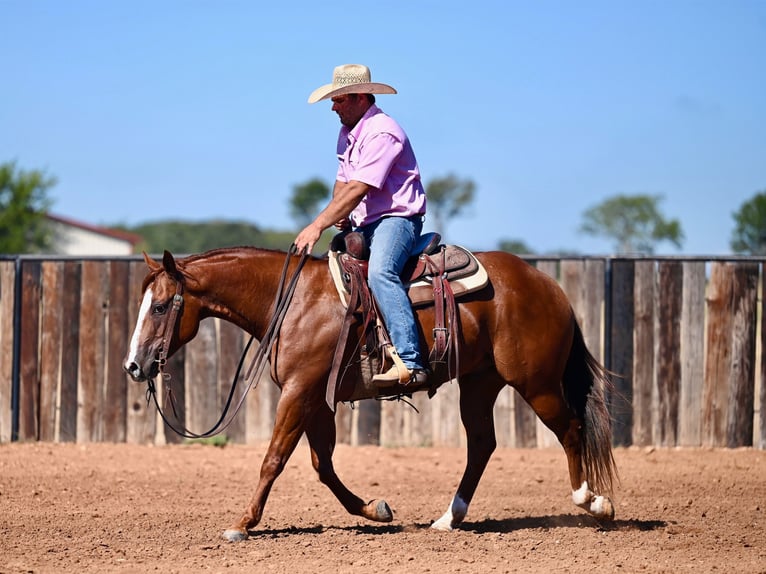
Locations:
282 301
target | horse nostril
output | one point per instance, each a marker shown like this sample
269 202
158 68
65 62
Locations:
133 370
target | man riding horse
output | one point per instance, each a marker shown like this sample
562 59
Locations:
378 191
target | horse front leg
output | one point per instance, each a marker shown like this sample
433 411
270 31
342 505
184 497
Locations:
477 399
321 436
289 425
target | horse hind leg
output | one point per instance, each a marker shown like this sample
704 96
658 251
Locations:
575 435
321 436
598 505
477 399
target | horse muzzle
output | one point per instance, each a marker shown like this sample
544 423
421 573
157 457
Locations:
138 374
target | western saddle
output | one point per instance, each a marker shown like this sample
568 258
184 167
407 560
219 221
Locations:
435 274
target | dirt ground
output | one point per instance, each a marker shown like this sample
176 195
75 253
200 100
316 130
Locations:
125 508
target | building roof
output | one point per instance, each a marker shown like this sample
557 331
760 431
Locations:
126 236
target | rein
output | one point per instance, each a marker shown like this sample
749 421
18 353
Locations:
282 301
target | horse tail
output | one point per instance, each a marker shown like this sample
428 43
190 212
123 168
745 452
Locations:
586 382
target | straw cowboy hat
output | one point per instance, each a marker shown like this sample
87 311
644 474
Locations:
349 79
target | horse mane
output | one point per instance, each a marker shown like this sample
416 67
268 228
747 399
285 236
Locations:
183 262
226 251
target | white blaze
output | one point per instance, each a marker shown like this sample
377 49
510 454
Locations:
143 312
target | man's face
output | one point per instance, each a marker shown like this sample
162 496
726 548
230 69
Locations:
350 108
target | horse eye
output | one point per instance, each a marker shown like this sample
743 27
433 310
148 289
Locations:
159 309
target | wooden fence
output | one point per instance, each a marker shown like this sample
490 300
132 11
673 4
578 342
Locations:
683 334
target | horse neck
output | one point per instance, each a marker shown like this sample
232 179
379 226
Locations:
238 285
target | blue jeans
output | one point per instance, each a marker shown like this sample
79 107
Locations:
391 240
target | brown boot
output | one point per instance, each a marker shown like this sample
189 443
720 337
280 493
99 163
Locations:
391 377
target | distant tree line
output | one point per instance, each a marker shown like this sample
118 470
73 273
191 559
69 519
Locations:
183 237
634 222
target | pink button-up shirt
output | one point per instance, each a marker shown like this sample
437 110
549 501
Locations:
377 152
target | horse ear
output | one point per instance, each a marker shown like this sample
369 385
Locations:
151 263
169 263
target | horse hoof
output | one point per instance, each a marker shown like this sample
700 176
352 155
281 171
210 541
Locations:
381 511
234 535
601 507
442 525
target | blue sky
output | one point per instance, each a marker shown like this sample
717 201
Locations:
148 110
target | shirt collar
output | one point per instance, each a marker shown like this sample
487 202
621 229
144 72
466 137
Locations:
353 134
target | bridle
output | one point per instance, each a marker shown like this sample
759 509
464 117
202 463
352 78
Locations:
169 328
253 375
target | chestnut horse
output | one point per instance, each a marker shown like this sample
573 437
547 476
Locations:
520 330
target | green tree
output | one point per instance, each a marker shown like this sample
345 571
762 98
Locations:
749 234
633 221
516 246
447 198
23 208
307 200
186 237
183 237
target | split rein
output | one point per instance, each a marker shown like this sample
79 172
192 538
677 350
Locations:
283 297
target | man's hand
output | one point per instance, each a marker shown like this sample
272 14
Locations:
308 237
343 224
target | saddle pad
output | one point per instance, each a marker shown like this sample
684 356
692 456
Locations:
420 292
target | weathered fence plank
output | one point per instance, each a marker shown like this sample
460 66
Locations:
421 421
692 353
729 364
669 343
739 424
366 423
231 341
29 391
503 413
261 404
643 353
7 296
179 417
116 391
525 423
447 428
761 441
202 378
343 420
70 355
93 305
718 356
51 334
621 349
392 424
583 282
